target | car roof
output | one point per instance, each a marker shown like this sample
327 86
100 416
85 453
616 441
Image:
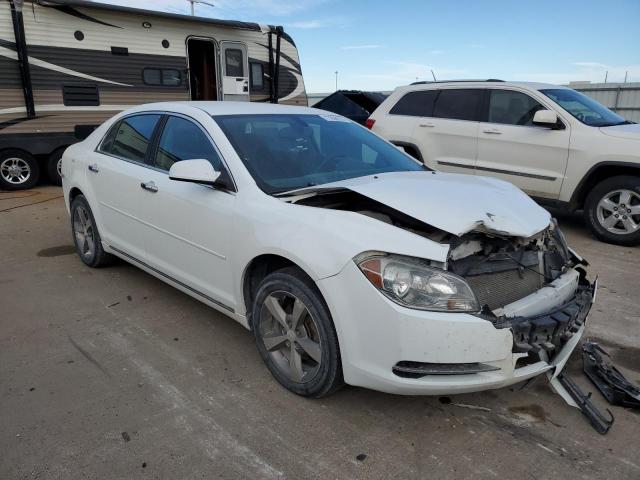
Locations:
479 84
229 108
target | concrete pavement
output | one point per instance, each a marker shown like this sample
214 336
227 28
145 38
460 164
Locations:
111 373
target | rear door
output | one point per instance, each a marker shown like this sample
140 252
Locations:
115 173
190 233
235 71
510 147
448 136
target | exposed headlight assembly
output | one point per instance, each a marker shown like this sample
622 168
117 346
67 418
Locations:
413 283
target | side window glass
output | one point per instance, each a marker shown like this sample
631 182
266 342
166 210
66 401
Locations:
234 65
512 108
182 139
133 135
416 104
458 104
107 142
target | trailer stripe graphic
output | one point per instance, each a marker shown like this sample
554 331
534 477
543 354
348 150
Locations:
5 52
72 11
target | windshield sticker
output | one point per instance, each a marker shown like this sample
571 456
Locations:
334 118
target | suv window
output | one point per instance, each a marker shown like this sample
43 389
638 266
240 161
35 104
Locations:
416 104
130 138
182 139
512 108
458 104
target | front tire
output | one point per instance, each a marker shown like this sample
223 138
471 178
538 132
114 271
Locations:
295 335
18 170
86 236
612 210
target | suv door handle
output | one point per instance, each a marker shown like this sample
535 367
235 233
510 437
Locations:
93 168
492 132
150 186
426 125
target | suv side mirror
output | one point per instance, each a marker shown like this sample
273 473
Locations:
195 171
546 118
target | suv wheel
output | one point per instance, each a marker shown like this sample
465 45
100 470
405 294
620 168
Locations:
612 210
18 170
86 236
295 334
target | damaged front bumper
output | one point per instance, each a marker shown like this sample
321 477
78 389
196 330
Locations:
387 347
545 334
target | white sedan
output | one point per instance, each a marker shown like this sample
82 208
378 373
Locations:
349 261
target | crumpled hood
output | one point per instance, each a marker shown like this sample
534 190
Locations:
631 131
452 202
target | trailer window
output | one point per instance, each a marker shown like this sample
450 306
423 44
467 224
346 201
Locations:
233 62
257 76
167 77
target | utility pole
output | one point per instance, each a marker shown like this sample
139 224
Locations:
606 74
193 2
434 76
625 76
336 80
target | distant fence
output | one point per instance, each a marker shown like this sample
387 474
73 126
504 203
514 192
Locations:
622 98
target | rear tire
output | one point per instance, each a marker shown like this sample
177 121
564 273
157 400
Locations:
612 210
298 342
54 163
19 170
86 236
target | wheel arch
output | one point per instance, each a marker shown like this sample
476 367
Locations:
257 269
596 174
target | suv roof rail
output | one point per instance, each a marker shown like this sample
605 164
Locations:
423 82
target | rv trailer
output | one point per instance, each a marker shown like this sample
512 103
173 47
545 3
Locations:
68 65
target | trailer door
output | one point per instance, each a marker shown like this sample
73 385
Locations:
235 71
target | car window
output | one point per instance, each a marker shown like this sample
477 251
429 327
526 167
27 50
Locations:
416 104
132 137
585 109
458 104
512 108
290 151
182 139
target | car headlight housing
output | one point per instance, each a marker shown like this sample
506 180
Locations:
413 283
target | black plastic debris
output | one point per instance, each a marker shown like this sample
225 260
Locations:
589 410
610 381
356 105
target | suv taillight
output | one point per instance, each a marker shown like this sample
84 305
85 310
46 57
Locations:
369 123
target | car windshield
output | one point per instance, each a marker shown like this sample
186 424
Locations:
289 151
585 109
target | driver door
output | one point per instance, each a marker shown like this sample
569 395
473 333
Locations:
510 147
190 235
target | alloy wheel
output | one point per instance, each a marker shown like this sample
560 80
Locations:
83 231
15 170
59 166
619 212
291 336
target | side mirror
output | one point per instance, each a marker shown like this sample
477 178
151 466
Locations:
195 171
546 118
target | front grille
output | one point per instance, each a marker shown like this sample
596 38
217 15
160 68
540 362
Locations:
498 289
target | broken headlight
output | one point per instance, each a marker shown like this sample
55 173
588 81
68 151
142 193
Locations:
413 283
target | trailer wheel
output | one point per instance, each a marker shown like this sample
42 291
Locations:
18 170
54 163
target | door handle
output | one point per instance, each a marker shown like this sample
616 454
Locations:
93 168
492 132
150 186
429 125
